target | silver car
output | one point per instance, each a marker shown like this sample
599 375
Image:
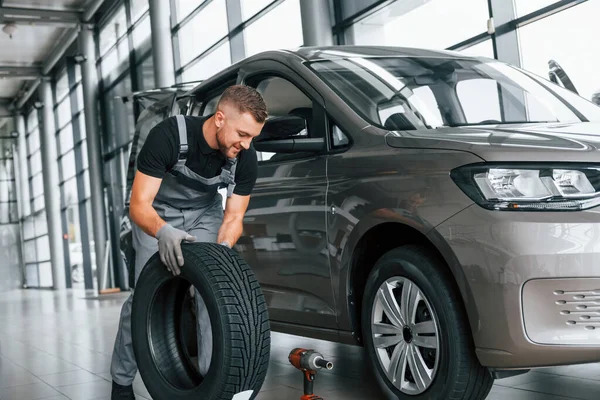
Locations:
437 209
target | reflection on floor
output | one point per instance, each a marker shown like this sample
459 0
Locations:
57 346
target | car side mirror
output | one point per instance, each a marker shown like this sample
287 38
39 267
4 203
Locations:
283 127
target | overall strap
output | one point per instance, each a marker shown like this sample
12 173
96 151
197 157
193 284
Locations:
228 174
183 140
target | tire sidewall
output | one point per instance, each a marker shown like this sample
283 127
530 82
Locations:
401 262
147 285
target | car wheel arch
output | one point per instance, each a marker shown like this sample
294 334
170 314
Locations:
380 238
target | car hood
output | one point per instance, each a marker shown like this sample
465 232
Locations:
515 142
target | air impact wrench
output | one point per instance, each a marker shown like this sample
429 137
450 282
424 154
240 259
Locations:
309 361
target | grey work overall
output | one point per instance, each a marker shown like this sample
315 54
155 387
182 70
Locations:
189 202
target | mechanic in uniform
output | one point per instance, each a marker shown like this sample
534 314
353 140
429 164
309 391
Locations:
174 198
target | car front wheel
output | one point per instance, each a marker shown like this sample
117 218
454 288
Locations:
416 333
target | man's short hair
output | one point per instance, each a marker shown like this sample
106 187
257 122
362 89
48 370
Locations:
245 99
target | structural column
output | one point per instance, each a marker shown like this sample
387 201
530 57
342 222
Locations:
90 98
237 46
162 43
24 197
316 23
506 41
506 48
51 188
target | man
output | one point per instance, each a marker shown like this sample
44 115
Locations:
174 198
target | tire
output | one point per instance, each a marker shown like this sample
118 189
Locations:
440 348
163 326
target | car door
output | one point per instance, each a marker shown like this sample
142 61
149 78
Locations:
284 238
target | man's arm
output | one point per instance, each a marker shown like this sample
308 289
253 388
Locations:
142 213
143 192
232 227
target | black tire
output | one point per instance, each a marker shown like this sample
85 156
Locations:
161 329
459 374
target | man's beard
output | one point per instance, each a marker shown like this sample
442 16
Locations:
222 148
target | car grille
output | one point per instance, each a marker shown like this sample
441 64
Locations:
562 311
581 306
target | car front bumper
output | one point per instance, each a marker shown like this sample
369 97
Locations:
533 284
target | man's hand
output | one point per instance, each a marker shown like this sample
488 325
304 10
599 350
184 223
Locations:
169 247
232 226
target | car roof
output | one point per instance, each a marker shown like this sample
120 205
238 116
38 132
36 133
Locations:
315 53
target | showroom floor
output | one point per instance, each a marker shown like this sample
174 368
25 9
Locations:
57 346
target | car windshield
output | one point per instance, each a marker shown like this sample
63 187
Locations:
407 93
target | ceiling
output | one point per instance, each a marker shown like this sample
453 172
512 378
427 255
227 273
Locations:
65 5
42 31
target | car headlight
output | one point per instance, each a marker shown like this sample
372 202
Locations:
530 188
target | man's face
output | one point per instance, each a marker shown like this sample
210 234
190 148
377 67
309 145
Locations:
235 130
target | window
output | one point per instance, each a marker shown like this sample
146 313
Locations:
70 192
8 198
113 30
435 24
41 226
32 120
283 19
483 49
79 91
37 185
68 165
33 141
30 255
38 203
35 163
64 113
141 33
82 132
251 7
541 41
478 107
138 8
65 139
77 73
338 137
524 7
62 87
406 93
290 116
121 126
185 7
217 60
115 62
84 155
203 31
145 73
45 274
28 229
42 247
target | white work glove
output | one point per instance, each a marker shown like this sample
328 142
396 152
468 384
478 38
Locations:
169 247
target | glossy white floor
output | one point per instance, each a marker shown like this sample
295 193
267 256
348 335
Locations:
57 346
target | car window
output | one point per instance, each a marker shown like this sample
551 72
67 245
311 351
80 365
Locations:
338 138
409 93
479 99
211 105
290 115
